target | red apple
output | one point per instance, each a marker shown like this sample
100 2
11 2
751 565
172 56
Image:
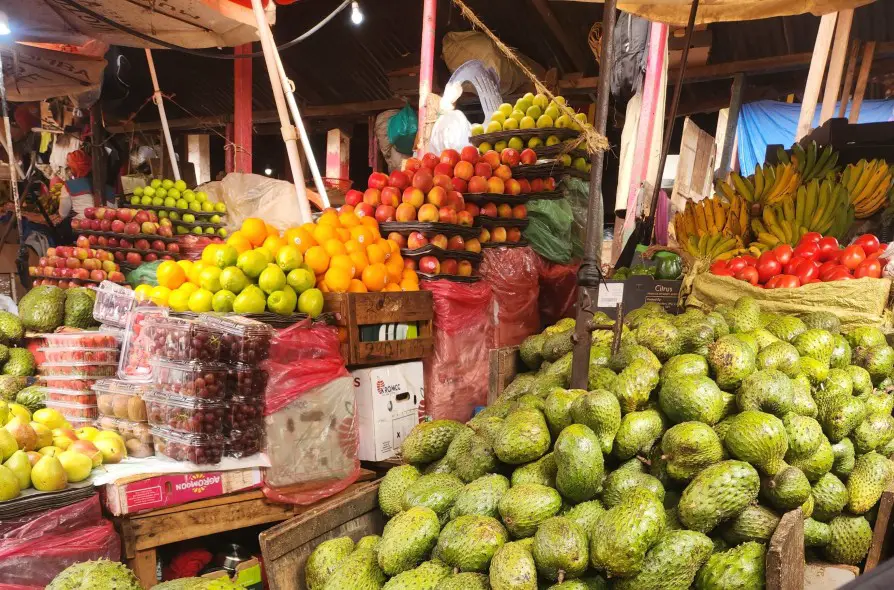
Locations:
116 277
528 156
416 240
444 169
122 243
90 213
495 185
549 184
498 234
450 156
409 263
525 185
429 265
405 212
470 154
484 236
97 275
101 213
456 243
153 217
465 218
117 226
158 245
352 197
464 170
447 215
82 253
75 224
503 172
455 201
102 241
173 248
430 161
509 157
398 180
489 210
423 180
125 215
459 184
141 244
492 158
82 274
412 165
513 234
449 267
141 217
112 243
537 185
109 266
443 181
372 197
364 210
119 256
151 257
397 239
91 264
439 241
384 213
82 242
131 228
165 231
428 213
93 240
149 228
105 225
437 196
390 196
377 180
520 212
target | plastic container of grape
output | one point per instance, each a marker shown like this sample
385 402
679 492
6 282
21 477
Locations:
79 369
180 339
74 410
243 413
201 449
246 381
244 443
243 340
85 339
113 302
138 349
193 379
185 414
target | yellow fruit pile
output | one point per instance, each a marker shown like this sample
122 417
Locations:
530 112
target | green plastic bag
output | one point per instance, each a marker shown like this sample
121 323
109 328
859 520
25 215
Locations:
577 193
549 229
402 129
144 274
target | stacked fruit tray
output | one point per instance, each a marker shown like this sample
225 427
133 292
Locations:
69 266
189 211
122 409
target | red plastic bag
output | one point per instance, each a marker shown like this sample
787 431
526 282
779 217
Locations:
34 548
513 275
558 291
310 418
456 373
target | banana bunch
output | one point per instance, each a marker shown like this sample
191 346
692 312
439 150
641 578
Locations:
769 185
713 246
711 216
812 163
867 184
817 207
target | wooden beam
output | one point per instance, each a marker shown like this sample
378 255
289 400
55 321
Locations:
338 151
573 51
849 77
862 78
815 77
732 121
242 115
836 64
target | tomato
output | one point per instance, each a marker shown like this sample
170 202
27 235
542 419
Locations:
828 248
749 260
826 270
807 250
748 274
793 264
839 274
787 282
868 242
719 265
723 272
852 256
768 267
806 271
810 237
868 268
736 264
783 253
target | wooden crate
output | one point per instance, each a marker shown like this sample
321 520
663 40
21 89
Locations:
285 547
881 548
785 554
505 364
353 310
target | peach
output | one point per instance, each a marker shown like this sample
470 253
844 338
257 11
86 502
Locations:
489 210
504 210
478 184
513 234
443 169
473 209
470 154
513 187
439 241
464 268
405 212
444 181
459 184
504 172
537 185
465 218
464 170
413 196
372 197
423 180
525 185
450 157
483 169
416 240
437 196
449 267
447 214
456 201
520 212
492 158
412 165
390 196
364 210
430 161
428 213
456 243
484 236
398 239
399 180
495 185
499 234
377 180
473 245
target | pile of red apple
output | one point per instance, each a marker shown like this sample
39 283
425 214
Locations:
431 265
69 266
134 229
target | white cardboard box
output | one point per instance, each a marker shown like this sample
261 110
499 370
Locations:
388 400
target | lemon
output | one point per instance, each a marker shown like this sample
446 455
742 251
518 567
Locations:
188 288
252 263
179 298
233 279
301 279
272 279
289 258
283 301
159 296
225 256
200 301
311 302
251 300
143 292
223 301
209 254
209 279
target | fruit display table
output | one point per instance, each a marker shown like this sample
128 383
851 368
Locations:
142 534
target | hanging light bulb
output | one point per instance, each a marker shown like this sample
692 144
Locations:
356 15
268 171
4 23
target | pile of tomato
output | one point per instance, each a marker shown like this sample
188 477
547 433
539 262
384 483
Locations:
816 259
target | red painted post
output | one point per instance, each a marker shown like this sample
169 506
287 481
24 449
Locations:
242 116
229 152
427 67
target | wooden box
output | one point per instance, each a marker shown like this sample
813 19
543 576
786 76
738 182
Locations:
354 310
505 363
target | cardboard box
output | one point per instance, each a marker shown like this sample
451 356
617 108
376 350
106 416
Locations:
137 494
389 400
636 291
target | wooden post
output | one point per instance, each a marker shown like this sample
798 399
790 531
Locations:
199 155
229 156
426 69
732 122
815 75
836 63
97 136
849 77
338 153
242 114
862 79
160 103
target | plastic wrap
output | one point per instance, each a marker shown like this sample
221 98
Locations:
549 229
309 416
558 291
577 194
34 548
456 373
513 275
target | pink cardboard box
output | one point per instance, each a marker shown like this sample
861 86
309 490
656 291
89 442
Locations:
137 494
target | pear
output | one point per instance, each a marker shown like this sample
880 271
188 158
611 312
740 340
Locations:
44 435
23 433
112 449
48 475
8 444
18 410
77 466
4 412
9 484
20 465
33 457
49 417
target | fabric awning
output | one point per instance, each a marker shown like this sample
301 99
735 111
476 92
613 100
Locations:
35 73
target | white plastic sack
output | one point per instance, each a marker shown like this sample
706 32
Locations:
253 195
460 47
451 130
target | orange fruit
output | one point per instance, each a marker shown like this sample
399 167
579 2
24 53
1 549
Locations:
309 226
325 232
317 259
343 234
255 230
394 246
334 247
369 221
301 238
274 244
322 286
363 234
238 240
375 277
330 217
392 287
395 271
354 246
338 279
360 262
271 230
409 275
170 274
407 285
357 286
349 220
386 248
344 261
375 253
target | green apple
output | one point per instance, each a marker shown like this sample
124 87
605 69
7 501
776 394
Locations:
220 207
223 301
158 202
146 200
170 202
167 183
477 129
251 300
201 196
182 230
210 231
174 216
222 232
174 193
233 279
138 191
182 204
272 279
283 301
197 230
195 206
207 207
180 185
135 200
155 183
215 219
189 197
161 192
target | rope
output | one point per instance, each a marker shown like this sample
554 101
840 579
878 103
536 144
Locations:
595 142
594 40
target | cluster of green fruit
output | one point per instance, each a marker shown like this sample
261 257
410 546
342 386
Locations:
111 574
529 112
671 472
194 213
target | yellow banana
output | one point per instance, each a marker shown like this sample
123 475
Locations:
709 215
719 213
701 224
759 182
741 188
768 239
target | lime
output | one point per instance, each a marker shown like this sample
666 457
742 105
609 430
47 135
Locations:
154 183
223 301
167 183
283 301
225 256
289 258
178 300
200 301
267 254
301 279
201 197
272 279
311 302
251 300
233 279
220 207
209 279
252 263
180 185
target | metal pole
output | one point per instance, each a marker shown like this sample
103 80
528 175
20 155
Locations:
426 68
590 270
286 127
156 97
13 172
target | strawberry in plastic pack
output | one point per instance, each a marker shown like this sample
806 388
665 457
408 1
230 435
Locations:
138 349
73 410
83 384
79 369
74 354
102 340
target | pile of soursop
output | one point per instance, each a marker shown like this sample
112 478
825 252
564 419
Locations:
672 471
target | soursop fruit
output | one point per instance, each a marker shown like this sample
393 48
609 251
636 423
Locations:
823 320
660 336
95 574
513 568
525 506
407 539
542 471
524 437
840 415
437 491
601 412
464 581
786 490
688 448
816 344
684 365
393 486
844 458
816 534
758 438
745 315
694 398
585 514
829 498
480 497
531 351
803 403
849 540
877 360
731 361
620 482
719 492
638 432
324 560
11 328
767 391
42 309
672 563
781 356
871 476
557 345
20 363
741 567
469 542
817 464
623 535
865 336
601 378
557 408
625 355
425 576
755 523
815 371
786 328
429 441
804 435
861 380
841 353
874 432
560 549
634 385
579 463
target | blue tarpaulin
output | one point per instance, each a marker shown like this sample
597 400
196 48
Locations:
768 122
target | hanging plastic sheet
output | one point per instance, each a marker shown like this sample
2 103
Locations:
549 229
514 277
558 291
